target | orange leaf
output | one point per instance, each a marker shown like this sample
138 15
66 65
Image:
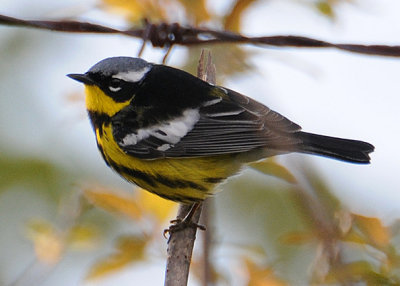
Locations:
129 249
261 276
373 229
353 236
114 203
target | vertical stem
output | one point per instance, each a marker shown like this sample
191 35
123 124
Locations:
180 248
207 242
180 243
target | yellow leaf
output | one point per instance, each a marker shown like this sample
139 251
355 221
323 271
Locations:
353 236
261 276
136 10
113 203
47 242
270 167
233 20
196 10
83 237
154 205
374 230
129 249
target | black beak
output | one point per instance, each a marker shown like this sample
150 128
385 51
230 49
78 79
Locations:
83 78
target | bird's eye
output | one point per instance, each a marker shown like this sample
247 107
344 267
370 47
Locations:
115 85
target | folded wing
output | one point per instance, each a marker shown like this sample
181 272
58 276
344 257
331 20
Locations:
230 123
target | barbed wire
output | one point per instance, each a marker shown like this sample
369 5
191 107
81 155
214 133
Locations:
165 35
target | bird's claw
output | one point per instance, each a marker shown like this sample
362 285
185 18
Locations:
181 224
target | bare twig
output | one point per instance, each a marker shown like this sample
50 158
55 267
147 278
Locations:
169 34
180 248
207 271
180 243
209 74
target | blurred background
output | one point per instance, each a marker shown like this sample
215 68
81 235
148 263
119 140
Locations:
66 219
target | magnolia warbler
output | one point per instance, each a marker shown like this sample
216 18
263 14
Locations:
177 136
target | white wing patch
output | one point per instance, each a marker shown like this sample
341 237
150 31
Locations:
170 132
212 101
132 76
227 113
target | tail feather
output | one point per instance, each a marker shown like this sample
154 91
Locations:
343 149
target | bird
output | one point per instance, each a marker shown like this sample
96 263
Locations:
179 137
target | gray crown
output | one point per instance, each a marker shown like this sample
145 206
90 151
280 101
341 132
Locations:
111 66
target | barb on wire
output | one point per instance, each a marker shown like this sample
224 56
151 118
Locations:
166 35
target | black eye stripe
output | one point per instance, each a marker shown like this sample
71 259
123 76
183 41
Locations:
115 83
119 90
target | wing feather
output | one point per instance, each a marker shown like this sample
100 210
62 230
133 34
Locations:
232 123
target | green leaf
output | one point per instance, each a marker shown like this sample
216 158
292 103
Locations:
325 8
359 271
34 173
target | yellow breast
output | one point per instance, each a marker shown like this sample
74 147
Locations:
178 179
184 180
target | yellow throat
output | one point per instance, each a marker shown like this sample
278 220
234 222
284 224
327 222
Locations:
98 101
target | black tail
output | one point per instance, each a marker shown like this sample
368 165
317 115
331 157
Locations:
342 149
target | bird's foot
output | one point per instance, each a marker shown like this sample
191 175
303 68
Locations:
181 224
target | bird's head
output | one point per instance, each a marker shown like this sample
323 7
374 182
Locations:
112 83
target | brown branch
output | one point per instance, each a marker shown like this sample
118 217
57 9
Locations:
207 72
180 248
181 242
167 35
207 276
